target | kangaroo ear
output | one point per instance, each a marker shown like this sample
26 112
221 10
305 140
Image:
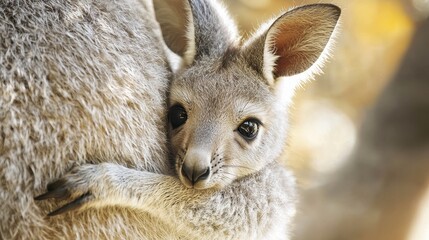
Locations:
195 28
294 42
172 16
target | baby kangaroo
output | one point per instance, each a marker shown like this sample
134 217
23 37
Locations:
228 122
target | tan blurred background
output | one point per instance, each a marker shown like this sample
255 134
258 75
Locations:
328 114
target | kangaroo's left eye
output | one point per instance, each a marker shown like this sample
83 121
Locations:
177 116
249 129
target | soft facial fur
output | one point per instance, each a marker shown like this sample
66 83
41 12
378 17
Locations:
213 119
84 82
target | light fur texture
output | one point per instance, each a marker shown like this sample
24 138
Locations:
95 93
80 82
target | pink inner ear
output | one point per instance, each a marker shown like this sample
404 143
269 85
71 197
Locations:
294 48
294 42
298 44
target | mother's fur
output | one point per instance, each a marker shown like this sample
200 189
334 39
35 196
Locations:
79 80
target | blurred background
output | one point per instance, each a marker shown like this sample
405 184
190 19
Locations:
360 174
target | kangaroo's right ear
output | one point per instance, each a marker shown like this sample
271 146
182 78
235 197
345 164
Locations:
195 28
172 16
293 42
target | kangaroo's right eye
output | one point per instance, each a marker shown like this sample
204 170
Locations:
177 116
249 129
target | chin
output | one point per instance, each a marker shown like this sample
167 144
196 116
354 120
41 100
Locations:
204 185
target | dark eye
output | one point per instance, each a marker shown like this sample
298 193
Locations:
177 116
249 129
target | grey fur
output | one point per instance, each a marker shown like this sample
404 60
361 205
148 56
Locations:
212 36
64 107
78 80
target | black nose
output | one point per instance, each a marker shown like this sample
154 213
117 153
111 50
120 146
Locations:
195 174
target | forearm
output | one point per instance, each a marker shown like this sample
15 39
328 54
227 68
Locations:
205 211
251 207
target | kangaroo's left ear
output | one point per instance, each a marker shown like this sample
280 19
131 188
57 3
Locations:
293 43
194 29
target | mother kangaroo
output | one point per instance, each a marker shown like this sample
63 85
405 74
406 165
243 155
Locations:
80 81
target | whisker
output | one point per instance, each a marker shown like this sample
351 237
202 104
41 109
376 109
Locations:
228 178
231 174
238 166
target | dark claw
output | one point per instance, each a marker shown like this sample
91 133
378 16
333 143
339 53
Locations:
76 204
60 194
55 190
57 184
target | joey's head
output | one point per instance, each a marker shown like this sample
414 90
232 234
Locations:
228 102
